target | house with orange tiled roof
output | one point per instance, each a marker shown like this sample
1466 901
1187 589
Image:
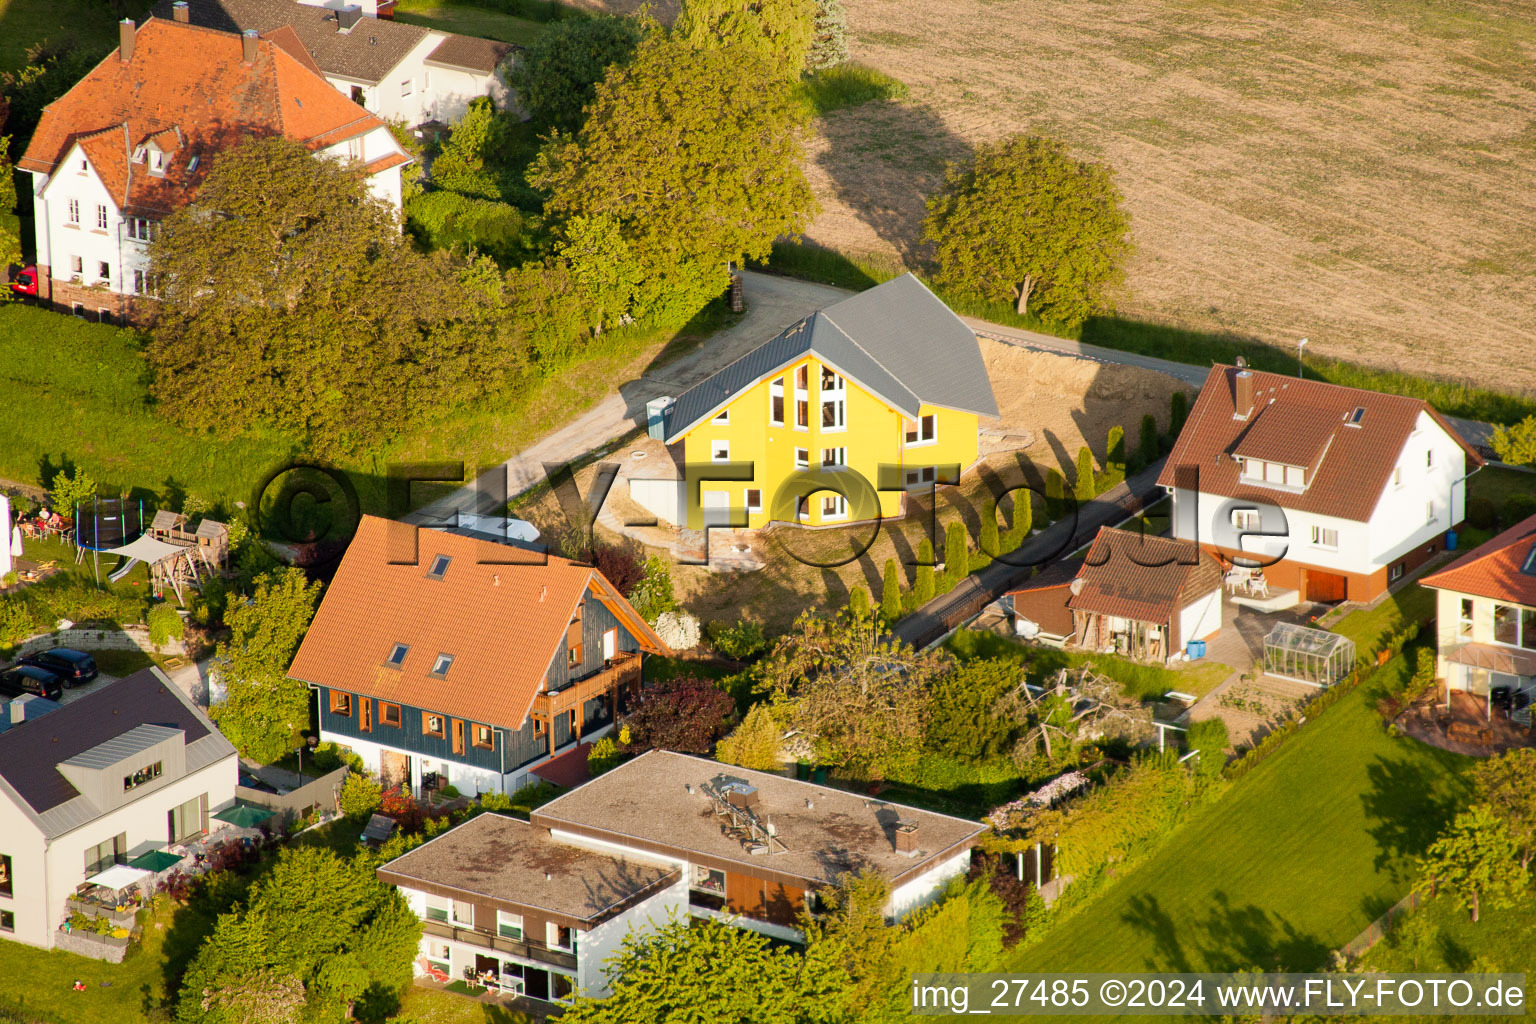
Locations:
133 140
1486 621
1335 492
443 657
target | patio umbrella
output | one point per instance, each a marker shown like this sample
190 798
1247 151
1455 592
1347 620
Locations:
244 816
16 542
155 860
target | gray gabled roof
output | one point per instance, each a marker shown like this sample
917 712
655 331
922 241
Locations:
896 340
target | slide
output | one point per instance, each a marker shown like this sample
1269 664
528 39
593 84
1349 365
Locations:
123 570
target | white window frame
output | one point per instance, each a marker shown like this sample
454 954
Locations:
1466 612
722 418
504 919
929 420
101 216
437 905
463 913
776 391
77 265
753 506
1397 476
1295 476
803 397
103 270
1253 469
1274 473
552 937
157 163
1320 538
407 87
1246 520
1429 512
1429 458
720 451
72 212
839 507
1395 573
138 282
839 458
834 397
802 458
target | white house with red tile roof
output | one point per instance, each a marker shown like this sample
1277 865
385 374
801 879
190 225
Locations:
133 140
1486 619
1336 491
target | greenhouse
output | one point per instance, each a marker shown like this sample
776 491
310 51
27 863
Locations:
1312 656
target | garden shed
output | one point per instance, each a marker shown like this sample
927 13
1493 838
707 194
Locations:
1315 657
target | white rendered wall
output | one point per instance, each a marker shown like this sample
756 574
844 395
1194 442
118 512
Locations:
1200 618
926 887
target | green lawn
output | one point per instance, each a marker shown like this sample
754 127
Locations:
1502 939
1371 628
26 22
1293 861
468 20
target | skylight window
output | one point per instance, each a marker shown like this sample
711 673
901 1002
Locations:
443 663
439 567
1354 418
1529 568
397 655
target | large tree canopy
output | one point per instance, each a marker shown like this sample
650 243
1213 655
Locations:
779 31
291 300
694 154
1027 221
557 76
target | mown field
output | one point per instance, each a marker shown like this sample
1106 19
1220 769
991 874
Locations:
1353 174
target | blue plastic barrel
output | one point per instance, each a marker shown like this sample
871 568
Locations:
1451 540
1195 649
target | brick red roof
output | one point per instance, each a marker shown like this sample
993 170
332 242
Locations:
501 611
1300 423
1142 577
189 90
1495 569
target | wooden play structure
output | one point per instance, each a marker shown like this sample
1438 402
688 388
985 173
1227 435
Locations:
177 557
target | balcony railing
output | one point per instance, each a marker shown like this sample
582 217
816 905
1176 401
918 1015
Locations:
623 671
517 947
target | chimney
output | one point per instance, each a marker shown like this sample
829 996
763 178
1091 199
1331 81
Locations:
125 39
248 46
181 12
1242 397
906 838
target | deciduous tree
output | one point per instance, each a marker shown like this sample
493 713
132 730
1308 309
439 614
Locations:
686 714
779 32
556 76
1474 861
263 710
862 698
10 239
695 153
1516 444
1507 784
1026 220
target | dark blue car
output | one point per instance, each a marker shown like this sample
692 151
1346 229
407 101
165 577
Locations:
74 667
30 679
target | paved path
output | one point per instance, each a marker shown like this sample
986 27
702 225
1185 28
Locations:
936 618
773 303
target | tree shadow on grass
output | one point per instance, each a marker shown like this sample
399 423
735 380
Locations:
1408 803
1229 937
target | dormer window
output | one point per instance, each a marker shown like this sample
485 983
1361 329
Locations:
439 567
148 773
397 655
441 666
1253 469
139 154
157 163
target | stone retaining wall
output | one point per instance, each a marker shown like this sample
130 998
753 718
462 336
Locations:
128 638
97 947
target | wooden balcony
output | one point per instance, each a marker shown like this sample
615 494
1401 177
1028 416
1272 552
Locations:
623 671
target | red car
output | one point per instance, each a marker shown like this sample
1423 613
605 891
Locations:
26 282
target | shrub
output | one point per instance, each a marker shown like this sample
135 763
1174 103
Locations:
1178 412
956 561
1055 494
1082 487
686 714
989 543
740 641
890 592
1517 507
924 589
848 85
1148 449
858 602
1116 449
450 791
329 756
446 220
604 756
755 743
678 630
1208 734
164 625
360 796
829 36
68 490
619 565
653 594
1482 514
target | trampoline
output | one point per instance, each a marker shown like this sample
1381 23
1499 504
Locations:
108 523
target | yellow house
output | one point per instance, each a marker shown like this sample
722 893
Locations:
834 420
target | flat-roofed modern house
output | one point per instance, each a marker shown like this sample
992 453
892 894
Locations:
537 907
1336 492
397 71
836 417
1144 597
132 142
1486 621
447 659
131 768
507 904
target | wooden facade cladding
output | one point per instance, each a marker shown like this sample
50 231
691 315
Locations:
625 671
763 900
